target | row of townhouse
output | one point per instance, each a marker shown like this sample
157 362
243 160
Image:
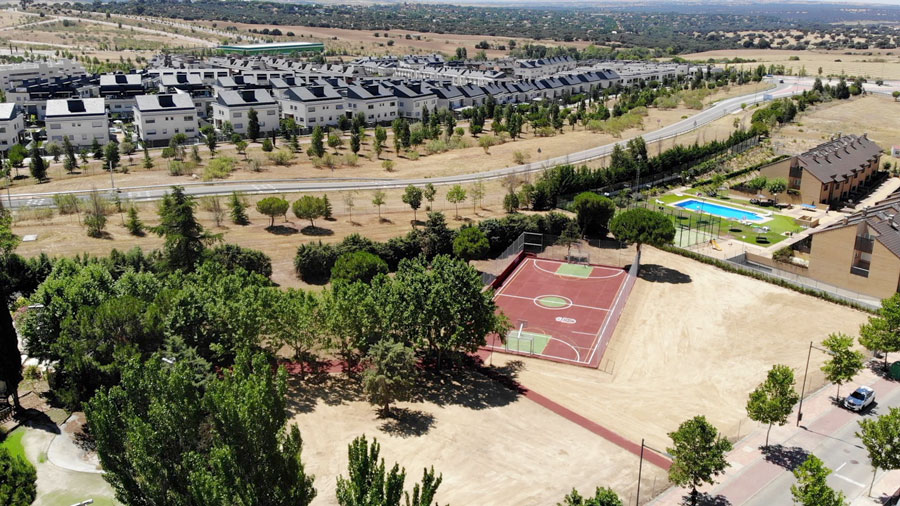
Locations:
533 69
15 74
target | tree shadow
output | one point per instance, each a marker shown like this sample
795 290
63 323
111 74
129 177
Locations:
104 235
878 367
385 220
404 422
36 419
473 387
658 274
304 393
281 230
706 499
788 457
316 231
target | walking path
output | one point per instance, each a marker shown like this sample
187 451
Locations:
752 475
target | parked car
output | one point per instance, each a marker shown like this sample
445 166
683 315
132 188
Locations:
860 399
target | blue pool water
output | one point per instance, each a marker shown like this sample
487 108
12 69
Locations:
717 210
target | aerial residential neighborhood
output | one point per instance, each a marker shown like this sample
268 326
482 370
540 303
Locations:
361 253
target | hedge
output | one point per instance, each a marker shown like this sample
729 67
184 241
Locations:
740 172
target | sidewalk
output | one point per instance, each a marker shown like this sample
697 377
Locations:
750 472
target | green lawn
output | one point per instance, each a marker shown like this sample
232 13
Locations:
778 224
13 443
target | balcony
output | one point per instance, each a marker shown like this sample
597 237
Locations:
859 271
864 244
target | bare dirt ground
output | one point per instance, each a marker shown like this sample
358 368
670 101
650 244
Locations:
490 445
879 64
692 340
854 116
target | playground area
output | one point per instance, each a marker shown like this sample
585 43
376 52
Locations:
559 311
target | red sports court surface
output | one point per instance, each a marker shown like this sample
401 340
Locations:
559 311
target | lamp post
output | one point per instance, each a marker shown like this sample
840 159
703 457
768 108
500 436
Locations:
803 388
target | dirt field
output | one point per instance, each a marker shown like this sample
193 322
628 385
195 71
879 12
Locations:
845 116
491 446
877 65
692 340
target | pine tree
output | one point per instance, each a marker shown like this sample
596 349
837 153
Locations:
38 166
148 162
328 214
185 238
253 125
238 209
134 224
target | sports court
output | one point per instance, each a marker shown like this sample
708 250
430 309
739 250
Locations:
561 311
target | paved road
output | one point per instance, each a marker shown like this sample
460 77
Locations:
138 193
841 451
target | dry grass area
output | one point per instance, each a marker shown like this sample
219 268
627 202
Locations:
854 116
491 445
458 161
692 340
879 64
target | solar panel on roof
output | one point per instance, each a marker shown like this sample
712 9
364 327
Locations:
75 105
166 101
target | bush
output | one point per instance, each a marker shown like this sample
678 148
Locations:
412 155
281 157
267 145
521 157
176 168
358 266
66 203
231 256
314 261
388 165
351 159
17 480
218 168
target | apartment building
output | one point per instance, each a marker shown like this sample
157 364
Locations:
12 125
376 102
14 74
312 106
234 106
82 120
160 117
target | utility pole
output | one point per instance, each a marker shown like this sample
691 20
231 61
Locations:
640 469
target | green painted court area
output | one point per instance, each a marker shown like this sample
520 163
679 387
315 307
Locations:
553 301
529 342
575 270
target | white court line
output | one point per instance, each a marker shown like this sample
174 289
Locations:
848 480
618 272
542 354
550 308
510 279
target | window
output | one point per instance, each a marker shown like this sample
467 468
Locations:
2 130
188 130
55 126
150 121
270 113
311 109
371 106
189 118
238 115
97 124
238 126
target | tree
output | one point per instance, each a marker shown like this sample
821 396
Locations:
369 484
593 213
812 488
380 137
477 191
896 95
148 162
698 454
209 134
134 224
253 125
758 183
390 375
185 238
455 195
882 332
38 165
642 226
162 440
272 207
510 203
17 479
314 261
53 149
241 147
328 211
349 204
335 141
881 437
844 362
96 149
471 244
95 215
111 156
774 399
127 149
358 266
10 358
429 192
776 186
569 237
412 196
602 497
316 147
16 155
354 141
238 209
70 163
309 207
295 322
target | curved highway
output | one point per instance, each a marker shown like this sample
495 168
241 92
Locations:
155 192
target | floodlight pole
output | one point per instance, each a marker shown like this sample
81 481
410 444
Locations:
640 469
803 388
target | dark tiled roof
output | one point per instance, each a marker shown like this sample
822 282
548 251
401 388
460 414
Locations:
883 218
838 159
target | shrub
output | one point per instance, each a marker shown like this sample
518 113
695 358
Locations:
388 165
486 141
66 203
17 480
267 145
545 132
521 157
358 266
232 256
314 261
281 157
412 155
218 168
351 159
436 146
253 164
176 168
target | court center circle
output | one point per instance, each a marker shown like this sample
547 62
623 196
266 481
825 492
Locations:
553 302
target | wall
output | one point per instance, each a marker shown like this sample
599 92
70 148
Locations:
832 254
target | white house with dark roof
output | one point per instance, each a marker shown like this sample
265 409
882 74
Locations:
80 119
12 125
234 106
413 98
376 102
312 106
159 117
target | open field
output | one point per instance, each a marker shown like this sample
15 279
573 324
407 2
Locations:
492 446
885 65
692 340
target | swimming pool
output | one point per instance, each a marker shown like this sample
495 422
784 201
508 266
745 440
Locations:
719 210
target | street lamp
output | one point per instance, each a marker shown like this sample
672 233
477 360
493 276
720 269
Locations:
803 388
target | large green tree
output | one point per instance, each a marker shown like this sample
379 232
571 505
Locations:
412 196
309 207
470 244
698 454
455 195
642 226
162 440
602 497
593 213
774 399
369 483
272 207
253 125
10 357
881 438
390 375
358 266
812 488
882 332
37 165
844 363
185 238
17 480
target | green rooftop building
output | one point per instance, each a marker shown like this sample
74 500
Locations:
273 48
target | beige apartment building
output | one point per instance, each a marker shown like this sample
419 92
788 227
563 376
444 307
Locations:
836 171
860 253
